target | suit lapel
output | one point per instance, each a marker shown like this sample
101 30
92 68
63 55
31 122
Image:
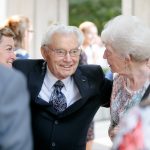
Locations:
82 83
36 78
86 90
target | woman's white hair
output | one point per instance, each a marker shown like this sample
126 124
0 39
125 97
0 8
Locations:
127 35
62 29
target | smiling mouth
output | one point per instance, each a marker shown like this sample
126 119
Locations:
66 66
9 62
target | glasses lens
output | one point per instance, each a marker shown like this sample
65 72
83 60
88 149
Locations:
75 52
62 53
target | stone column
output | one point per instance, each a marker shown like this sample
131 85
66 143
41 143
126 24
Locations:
40 12
138 8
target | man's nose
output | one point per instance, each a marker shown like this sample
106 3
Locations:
67 57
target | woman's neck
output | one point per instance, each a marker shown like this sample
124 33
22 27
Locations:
137 77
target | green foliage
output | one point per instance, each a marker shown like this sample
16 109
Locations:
97 11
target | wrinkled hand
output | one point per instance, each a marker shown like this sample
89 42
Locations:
112 132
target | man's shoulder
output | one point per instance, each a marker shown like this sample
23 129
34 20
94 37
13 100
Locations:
90 70
27 61
27 64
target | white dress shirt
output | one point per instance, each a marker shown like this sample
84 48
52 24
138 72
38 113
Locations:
70 89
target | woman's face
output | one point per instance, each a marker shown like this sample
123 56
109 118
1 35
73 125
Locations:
7 55
116 61
62 66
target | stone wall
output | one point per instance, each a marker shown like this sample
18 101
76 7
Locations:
41 13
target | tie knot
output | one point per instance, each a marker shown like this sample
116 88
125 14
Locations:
59 84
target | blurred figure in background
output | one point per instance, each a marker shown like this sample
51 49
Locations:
93 47
92 53
22 28
128 54
85 60
15 123
91 43
7 55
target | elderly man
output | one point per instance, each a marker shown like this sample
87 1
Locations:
64 96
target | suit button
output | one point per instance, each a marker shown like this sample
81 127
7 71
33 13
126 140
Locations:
53 144
56 122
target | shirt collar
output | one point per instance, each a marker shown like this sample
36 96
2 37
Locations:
51 79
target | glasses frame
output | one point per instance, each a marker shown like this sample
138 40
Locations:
63 53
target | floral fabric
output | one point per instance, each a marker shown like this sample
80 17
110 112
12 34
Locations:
134 133
123 99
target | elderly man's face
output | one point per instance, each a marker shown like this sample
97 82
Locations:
7 55
62 66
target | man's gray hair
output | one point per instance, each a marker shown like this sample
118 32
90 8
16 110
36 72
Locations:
62 29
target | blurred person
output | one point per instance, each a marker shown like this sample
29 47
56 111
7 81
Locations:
64 95
15 127
7 55
93 47
92 53
15 123
91 43
22 28
128 54
86 57
134 132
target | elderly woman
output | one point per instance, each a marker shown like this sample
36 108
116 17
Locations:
128 54
7 55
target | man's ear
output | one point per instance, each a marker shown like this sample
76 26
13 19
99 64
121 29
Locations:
44 52
148 63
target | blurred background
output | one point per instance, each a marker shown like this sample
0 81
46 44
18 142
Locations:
42 13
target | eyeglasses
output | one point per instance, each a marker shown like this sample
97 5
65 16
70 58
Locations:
63 53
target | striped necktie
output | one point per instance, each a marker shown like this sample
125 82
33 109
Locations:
58 99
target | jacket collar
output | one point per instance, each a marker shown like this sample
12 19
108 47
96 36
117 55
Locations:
36 78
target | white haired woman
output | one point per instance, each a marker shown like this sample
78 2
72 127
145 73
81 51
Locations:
127 51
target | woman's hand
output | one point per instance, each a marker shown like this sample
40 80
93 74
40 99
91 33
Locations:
112 132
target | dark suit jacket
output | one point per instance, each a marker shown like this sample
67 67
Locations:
65 131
